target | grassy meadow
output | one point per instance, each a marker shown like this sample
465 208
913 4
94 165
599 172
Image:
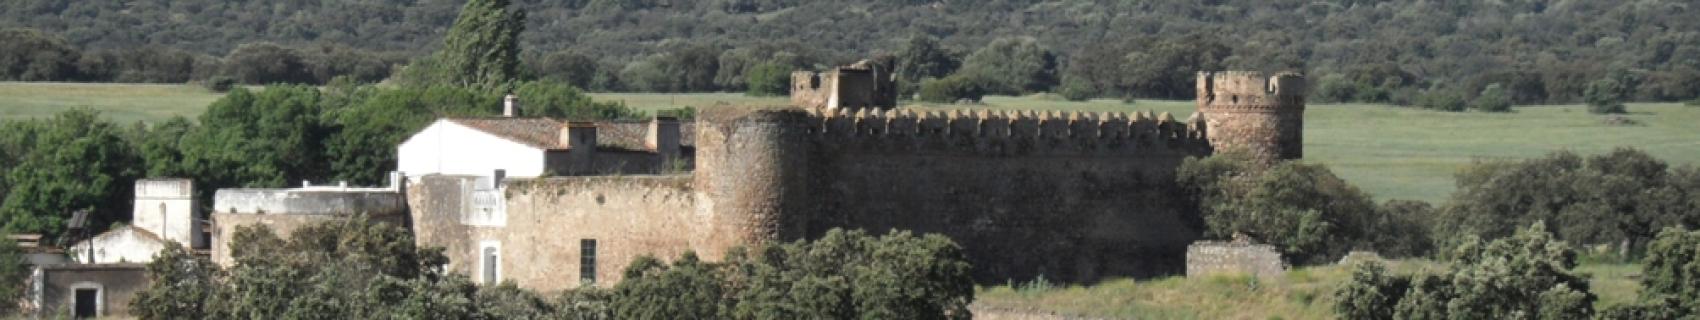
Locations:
124 103
1303 293
1391 152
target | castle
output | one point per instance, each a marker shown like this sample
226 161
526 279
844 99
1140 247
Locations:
1064 195
554 205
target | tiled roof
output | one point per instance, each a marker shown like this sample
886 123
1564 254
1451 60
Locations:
542 133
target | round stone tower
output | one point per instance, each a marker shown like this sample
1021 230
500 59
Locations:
750 174
1252 112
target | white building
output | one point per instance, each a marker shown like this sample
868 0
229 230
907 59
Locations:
521 147
164 212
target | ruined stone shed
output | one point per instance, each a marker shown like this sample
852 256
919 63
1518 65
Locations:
86 290
865 84
286 210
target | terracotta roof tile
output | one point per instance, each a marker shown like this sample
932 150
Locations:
543 133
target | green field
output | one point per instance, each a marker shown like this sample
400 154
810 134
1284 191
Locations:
1303 293
1394 153
124 103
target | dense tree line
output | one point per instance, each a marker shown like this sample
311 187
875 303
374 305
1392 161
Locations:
1308 213
1619 199
364 269
1441 54
1527 276
1614 203
275 136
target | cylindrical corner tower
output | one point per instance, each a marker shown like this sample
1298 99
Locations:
751 172
1248 111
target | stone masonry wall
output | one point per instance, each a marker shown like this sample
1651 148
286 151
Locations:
1217 257
547 218
1255 113
118 283
1073 197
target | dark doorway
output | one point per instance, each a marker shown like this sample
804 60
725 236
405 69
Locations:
85 305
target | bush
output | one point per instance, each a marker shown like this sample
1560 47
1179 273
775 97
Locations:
266 63
219 84
1076 90
952 89
768 79
1493 99
1443 100
841 275
1307 212
1604 96
1525 277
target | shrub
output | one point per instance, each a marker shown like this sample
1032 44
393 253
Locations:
266 63
219 84
1604 96
951 89
1527 276
1076 90
1493 99
1307 212
768 79
1442 100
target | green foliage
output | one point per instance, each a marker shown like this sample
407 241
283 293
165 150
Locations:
1493 99
266 139
1671 278
562 101
1371 293
1012 66
30 55
769 79
1620 198
687 289
220 84
568 67
481 50
1443 100
851 275
1076 90
508 301
1307 212
1604 96
182 285
923 57
266 63
842 275
1527 276
77 162
14 274
344 268
952 89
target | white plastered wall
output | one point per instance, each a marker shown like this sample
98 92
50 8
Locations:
446 147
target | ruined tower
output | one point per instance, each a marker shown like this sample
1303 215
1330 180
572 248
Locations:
1253 112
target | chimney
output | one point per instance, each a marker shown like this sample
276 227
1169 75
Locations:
579 138
663 137
510 106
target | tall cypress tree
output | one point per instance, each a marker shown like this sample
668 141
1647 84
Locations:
481 51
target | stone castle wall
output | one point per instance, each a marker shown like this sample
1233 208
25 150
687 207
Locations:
546 220
1219 257
1074 197
1255 113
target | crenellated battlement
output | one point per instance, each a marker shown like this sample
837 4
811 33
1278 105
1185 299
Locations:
1260 113
1005 132
1250 91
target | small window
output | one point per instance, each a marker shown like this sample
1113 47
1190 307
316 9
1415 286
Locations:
489 264
587 261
